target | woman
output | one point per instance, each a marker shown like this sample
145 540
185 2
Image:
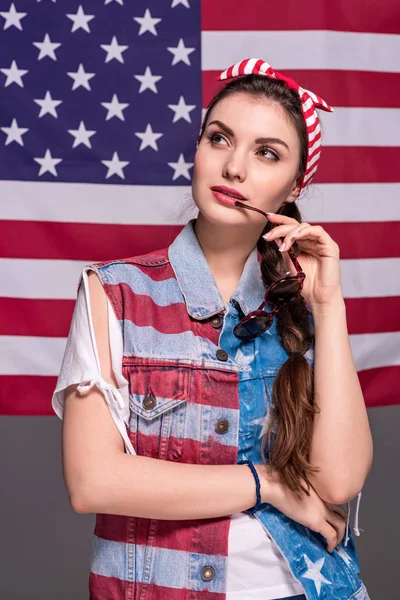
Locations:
221 471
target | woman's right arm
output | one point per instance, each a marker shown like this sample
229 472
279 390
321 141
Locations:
101 478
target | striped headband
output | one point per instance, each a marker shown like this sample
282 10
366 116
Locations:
309 103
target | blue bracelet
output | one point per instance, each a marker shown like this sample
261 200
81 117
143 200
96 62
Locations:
258 486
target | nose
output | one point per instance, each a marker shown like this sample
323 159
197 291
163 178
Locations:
234 168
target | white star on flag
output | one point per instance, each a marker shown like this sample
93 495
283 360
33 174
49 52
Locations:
115 166
121 2
114 50
182 110
147 23
181 168
48 105
80 20
244 361
314 572
343 554
13 18
81 135
14 75
14 133
148 81
183 2
181 53
81 78
47 48
264 422
114 108
149 138
48 163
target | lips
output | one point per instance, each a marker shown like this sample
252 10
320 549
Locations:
229 192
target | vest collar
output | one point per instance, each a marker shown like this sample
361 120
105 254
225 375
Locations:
202 296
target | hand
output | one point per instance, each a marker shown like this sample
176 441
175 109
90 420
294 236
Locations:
327 519
318 257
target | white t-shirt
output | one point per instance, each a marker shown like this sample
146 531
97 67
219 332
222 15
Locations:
256 569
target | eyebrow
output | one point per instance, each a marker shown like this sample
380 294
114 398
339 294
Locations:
261 140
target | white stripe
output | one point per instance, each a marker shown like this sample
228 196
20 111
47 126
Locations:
314 147
350 202
31 278
303 50
361 127
73 203
314 133
307 104
94 203
311 119
310 174
313 160
28 355
375 350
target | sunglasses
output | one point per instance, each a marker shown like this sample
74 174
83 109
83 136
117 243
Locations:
280 292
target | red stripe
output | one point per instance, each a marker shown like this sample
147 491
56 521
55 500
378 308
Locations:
338 88
45 239
103 588
358 15
373 315
358 164
382 385
380 388
365 240
38 317
354 239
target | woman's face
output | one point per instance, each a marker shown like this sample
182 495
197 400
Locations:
265 172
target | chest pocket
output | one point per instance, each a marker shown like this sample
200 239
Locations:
158 396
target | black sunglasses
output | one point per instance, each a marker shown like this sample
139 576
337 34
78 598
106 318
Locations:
280 292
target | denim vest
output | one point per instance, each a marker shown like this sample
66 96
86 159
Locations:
198 395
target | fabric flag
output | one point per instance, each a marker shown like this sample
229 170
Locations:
101 104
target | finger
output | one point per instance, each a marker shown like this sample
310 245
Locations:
279 218
311 232
338 523
279 231
330 534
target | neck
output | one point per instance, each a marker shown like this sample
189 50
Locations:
226 250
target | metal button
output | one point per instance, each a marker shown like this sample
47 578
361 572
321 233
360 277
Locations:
149 402
207 573
222 426
221 354
216 321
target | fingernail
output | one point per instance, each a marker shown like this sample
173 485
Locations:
282 247
267 235
270 213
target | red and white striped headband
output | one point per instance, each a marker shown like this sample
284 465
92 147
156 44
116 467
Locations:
309 103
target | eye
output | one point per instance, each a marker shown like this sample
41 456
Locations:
273 154
212 137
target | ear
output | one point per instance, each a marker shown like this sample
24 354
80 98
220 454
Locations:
294 194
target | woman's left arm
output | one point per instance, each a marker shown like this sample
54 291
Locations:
342 442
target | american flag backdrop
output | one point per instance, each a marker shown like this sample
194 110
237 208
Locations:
101 103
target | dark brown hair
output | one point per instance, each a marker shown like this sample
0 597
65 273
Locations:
286 444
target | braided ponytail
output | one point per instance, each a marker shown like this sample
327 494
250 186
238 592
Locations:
291 420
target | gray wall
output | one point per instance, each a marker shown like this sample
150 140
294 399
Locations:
45 545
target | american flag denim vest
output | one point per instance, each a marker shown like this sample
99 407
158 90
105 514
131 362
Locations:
198 395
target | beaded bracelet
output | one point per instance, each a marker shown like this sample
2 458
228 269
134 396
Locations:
252 467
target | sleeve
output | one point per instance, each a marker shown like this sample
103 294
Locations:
81 364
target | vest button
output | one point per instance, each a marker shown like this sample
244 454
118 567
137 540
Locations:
149 402
216 321
207 573
221 354
222 426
